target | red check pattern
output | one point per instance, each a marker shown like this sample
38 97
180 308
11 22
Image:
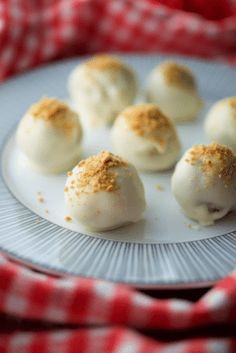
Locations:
108 340
103 317
32 32
107 310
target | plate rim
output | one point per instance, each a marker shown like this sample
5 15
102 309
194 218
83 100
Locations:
60 274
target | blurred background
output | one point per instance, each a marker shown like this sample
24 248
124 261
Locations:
36 31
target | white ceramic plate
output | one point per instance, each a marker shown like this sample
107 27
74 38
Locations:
165 249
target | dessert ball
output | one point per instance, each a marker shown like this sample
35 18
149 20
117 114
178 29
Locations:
146 137
220 125
173 87
49 135
104 192
101 87
204 182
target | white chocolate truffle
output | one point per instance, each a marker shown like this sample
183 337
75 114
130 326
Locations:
173 87
204 182
104 192
146 137
220 125
49 135
100 88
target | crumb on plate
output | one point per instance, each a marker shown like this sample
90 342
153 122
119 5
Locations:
68 218
193 226
159 187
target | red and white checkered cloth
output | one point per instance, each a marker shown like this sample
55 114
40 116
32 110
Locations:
35 31
30 295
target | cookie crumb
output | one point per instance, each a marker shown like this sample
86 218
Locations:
193 226
98 174
46 211
54 112
68 218
103 62
213 160
146 120
37 220
159 187
40 199
178 75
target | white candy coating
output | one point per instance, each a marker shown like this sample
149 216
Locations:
220 124
49 135
146 138
204 182
100 88
105 208
173 87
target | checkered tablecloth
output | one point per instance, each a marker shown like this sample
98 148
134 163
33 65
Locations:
35 31
107 314
102 317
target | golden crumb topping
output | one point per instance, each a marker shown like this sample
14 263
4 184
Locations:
148 121
159 187
178 75
232 102
49 109
67 218
96 174
214 160
105 62
56 113
40 199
